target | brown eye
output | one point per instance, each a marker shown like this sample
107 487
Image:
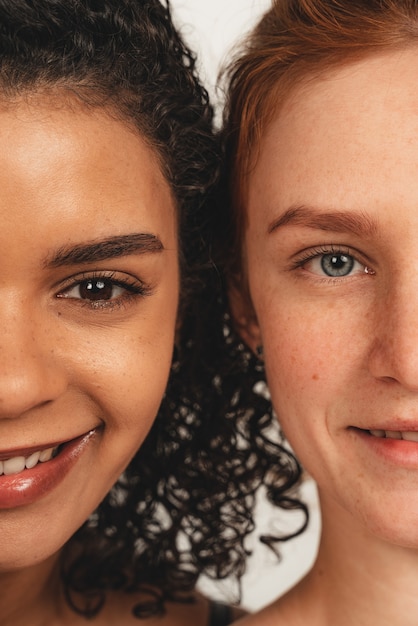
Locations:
104 291
98 289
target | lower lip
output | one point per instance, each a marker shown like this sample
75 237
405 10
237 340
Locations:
395 451
31 484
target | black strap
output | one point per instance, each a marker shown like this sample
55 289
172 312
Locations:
220 614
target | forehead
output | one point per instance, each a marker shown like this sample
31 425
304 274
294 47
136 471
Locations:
74 172
74 137
351 122
74 105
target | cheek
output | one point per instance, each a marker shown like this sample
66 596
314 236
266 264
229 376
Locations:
122 371
129 387
311 362
297 352
297 377
292 365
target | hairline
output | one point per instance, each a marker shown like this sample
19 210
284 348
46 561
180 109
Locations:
273 101
303 74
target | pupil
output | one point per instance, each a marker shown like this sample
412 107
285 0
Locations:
96 290
337 264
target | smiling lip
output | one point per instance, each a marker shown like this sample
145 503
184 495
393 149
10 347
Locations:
406 435
398 447
28 451
29 485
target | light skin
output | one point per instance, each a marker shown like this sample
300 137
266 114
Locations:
331 248
89 292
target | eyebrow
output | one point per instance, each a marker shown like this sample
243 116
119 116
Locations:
336 221
108 248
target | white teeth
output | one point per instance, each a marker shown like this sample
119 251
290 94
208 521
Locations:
378 433
46 455
410 436
32 460
395 434
17 464
14 465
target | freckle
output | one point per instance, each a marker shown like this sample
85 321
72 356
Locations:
315 377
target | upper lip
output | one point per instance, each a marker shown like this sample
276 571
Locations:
4 455
401 425
13 452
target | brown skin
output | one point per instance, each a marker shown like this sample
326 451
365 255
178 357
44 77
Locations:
72 177
341 352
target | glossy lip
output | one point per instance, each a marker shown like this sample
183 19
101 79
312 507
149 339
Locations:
395 451
31 484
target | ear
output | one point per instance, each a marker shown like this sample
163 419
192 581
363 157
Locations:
244 317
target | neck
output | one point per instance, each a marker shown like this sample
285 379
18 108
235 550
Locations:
357 580
30 595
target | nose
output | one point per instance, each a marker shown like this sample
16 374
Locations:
394 353
29 375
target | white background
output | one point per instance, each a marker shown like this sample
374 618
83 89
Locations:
212 27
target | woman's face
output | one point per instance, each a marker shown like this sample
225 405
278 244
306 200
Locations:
332 254
88 301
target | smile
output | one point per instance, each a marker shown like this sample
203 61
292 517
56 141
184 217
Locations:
395 434
28 475
397 447
16 464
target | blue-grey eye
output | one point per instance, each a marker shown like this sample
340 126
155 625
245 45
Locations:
337 264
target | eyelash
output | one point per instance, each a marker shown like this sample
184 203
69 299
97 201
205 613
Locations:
132 287
321 251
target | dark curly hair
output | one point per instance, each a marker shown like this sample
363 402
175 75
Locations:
184 505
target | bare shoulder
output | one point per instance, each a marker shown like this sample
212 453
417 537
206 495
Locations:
269 616
253 620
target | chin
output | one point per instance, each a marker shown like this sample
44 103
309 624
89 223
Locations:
400 529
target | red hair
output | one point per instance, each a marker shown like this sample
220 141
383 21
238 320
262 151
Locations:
297 40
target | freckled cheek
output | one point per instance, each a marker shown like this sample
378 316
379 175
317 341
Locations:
293 371
300 392
301 365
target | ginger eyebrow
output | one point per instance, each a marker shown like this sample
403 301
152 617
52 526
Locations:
108 248
336 221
